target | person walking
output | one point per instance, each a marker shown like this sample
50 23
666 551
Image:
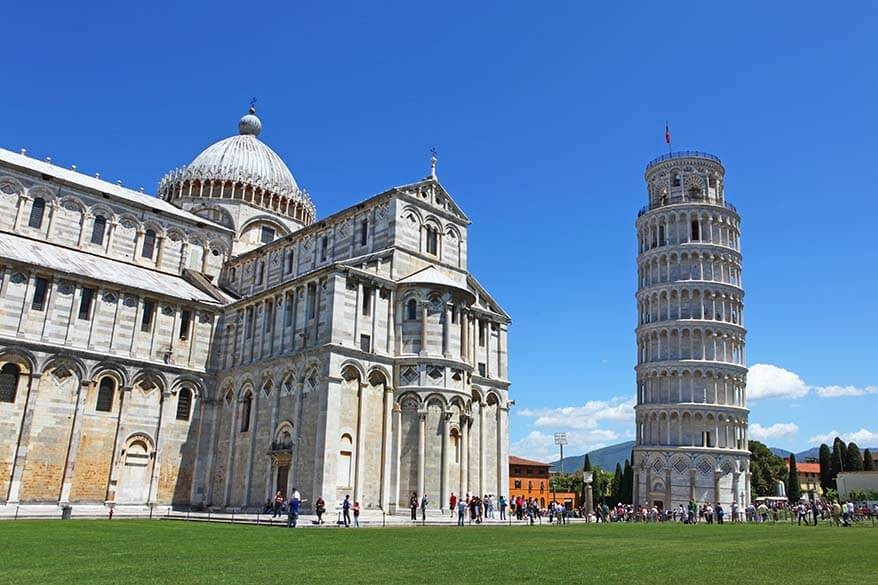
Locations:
293 510
320 509
424 507
452 504
413 505
357 514
346 511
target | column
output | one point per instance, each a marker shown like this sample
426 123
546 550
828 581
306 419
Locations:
422 450
22 203
443 464
160 446
483 454
446 332
160 250
464 338
75 435
205 256
184 253
692 484
395 452
118 445
424 328
33 384
386 451
464 455
359 464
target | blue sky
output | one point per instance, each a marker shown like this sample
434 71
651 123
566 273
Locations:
544 116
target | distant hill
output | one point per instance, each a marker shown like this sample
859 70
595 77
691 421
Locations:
605 458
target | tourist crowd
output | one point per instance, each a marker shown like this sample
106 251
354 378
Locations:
473 509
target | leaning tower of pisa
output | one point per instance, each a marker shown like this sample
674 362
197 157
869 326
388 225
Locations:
691 413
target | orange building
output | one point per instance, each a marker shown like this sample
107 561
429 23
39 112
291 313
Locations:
809 476
530 479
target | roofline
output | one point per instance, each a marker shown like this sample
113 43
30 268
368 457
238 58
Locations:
135 196
78 276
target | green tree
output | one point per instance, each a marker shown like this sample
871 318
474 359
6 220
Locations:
868 463
599 485
766 469
794 490
825 467
839 454
628 483
616 489
586 463
854 459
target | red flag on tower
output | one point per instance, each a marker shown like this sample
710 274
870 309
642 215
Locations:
667 134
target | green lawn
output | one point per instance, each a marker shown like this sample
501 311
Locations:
141 551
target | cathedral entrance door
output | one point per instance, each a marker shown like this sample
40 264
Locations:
283 474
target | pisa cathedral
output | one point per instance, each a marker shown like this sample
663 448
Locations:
217 342
691 408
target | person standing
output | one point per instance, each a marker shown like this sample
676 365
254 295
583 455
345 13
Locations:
413 505
346 511
452 504
501 503
293 510
320 509
461 512
424 507
357 514
278 504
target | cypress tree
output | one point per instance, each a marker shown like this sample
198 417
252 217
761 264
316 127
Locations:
868 463
586 464
794 490
616 489
839 452
855 459
825 467
628 483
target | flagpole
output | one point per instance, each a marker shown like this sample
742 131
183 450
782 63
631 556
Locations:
668 136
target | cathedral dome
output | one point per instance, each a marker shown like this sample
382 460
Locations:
241 167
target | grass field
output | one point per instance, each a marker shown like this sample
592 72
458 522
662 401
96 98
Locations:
141 551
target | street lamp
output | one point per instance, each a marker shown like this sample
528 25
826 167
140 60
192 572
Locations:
560 440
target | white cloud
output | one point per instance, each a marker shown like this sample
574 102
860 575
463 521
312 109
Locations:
541 446
583 417
863 437
768 381
842 391
757 431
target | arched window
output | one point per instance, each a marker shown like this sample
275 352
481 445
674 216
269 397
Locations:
245 412
675 179
98 229
696 230
37 210
148 244
9 374
432 241
106 392
184 404
411 310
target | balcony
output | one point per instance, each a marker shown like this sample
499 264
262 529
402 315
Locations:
677 200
